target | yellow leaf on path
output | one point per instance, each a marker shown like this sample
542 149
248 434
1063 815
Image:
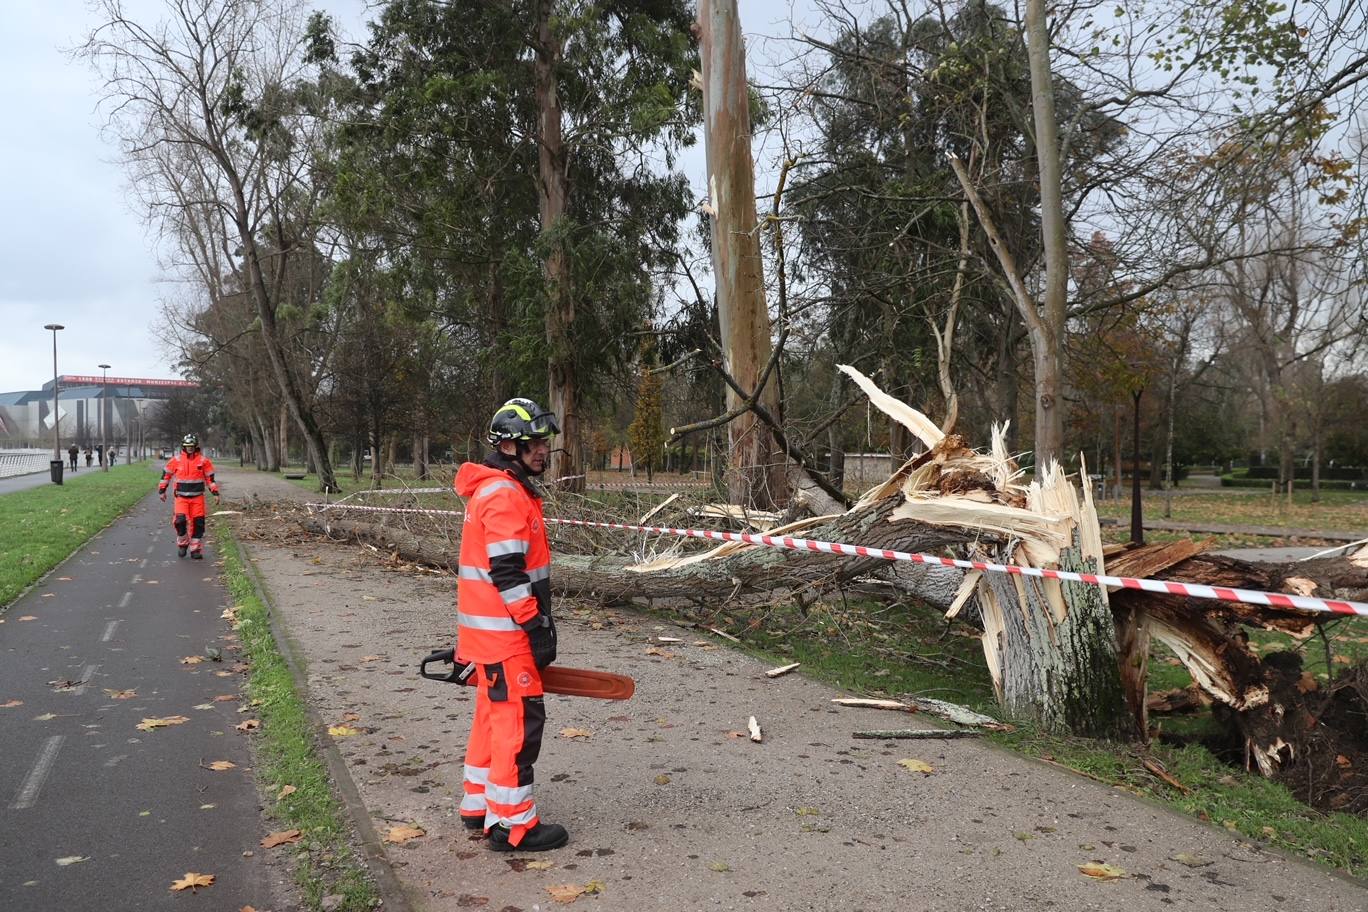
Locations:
540 865
220 766
1191 860
343 731
917 766
808 812
11 704
225 698
283 837
662 779
370 658
28 617
248 725
593 886
193 882
121 694
565 893
148 724
285 791
721 867
576 733
1100 871
192 660
350 717
402 834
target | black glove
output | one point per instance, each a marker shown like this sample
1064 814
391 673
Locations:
541 633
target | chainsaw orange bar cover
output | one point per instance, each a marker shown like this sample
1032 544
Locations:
557 679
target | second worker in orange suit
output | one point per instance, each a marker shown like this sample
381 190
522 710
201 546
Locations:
192 472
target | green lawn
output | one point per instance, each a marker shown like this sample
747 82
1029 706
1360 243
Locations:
41 526
1337 510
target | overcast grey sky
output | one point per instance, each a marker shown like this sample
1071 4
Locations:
72 248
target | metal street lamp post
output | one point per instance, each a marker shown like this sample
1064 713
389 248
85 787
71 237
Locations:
56 422
104 404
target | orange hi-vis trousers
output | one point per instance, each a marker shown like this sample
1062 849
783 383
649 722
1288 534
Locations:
188 521
505 741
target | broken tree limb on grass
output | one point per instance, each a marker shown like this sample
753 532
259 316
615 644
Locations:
866 703
781 670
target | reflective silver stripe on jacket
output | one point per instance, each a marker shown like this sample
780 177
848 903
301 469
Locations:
510 596
480 622
505 794
539 574
495 486
475 573
507 546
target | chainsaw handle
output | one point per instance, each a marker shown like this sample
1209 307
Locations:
457 675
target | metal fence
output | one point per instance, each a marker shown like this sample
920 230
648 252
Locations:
23 462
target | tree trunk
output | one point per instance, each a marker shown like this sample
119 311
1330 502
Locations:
757 476
284 436
1137 525
553 197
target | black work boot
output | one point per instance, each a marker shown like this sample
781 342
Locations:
197 555
472 821
181 549
541 838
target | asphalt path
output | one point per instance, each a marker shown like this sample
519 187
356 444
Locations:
94 813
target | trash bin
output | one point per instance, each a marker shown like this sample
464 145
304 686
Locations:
56 465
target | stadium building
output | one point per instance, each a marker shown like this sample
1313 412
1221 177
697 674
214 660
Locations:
26 415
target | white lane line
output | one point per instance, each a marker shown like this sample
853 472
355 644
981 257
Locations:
86 675
28 792
127 597
109 631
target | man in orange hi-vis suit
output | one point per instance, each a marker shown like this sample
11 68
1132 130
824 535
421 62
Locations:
192 472
504 627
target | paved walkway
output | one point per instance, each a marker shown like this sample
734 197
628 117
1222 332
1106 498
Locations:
671 807
95 813
1163 525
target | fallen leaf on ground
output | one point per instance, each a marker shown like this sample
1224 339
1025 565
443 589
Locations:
11 704
64 579
203 706
576 733
193 882
343 731
121 694
72 859
565 893
225 698
281 837
220 766
1101 871
371 658
28 617
192 660
248 725
1342 761
285 791
657 651
402 834
148 724
807 812
540 865
721 867
917 766
350 717
45 717
662 779
470 900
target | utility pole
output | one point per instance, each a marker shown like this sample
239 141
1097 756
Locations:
104 404
56 422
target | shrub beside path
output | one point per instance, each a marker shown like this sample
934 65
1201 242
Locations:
670 806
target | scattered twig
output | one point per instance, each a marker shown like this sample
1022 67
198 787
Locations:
937 734
754 727
781 670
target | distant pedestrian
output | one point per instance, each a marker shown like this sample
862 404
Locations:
89 457
113 456
72 452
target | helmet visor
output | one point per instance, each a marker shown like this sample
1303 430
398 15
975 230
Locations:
544 424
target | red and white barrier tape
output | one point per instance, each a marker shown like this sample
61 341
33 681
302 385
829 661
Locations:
1166 587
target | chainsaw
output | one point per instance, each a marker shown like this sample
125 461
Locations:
573 682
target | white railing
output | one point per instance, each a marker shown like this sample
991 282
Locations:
23 462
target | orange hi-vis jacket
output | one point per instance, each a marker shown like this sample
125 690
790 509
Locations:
191 473
505 568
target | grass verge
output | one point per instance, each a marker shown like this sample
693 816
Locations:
325 861
871 648
41 527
